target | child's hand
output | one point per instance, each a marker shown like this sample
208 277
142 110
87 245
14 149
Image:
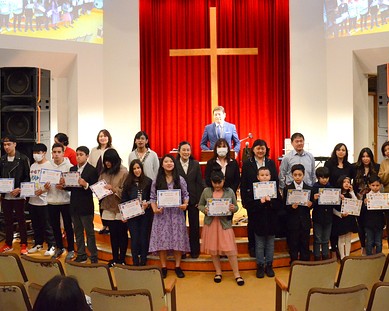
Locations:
47 186
158 210
15 192
59 186
309 203
263 200
82 182
295 205
232 207
38 192
365 201
183 206
316 196
342 196
206 211
344 215
109 187
267 198
144 204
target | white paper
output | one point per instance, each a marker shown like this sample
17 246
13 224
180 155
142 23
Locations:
50 176
219 207
131 209
71 179
99 189
169 198
377 201
27 189
263 189
329 196
6 185
351 206
301 197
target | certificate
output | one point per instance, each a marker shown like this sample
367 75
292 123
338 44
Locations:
219 207
263 189
27 189
71 179
329 196
377 201
351 206
50 176
169 198
131 209
300 197
6 185
99 189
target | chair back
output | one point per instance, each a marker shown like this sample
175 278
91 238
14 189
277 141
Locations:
307 274
385 272
90 275
121 300
41 270
356 270
148 277
33 291
349 298
11 268
13 296
379 300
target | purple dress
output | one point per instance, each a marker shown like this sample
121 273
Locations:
169 231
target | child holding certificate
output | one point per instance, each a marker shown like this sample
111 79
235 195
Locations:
137 186
321 215
264 220
168 232
217 235
298 205
373 219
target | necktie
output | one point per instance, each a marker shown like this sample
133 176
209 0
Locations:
219 131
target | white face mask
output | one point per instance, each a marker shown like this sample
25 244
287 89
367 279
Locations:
222 151
38 157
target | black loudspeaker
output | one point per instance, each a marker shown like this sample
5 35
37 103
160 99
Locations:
25 105
382 84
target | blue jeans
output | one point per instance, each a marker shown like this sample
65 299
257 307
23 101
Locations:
373 238
321 235
264 249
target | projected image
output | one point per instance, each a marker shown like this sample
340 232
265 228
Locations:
75 20
344 18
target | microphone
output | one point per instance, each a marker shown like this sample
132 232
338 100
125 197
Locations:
247 144
248 137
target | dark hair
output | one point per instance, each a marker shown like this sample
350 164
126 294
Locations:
218 143
161 183
184 142
264 168
83 149
132 179
57 145
139 135
334 158
323 172
9 138
383 147
39 147
62 138
112 156
360 178
374 178
296 135
340 181
259 142
298 167
106 133
61 293
217 176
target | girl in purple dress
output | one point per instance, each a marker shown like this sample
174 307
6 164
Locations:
168 232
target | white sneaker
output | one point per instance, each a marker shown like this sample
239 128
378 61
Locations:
50 251
35 249
70 255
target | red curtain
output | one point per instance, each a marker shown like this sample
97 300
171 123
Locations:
175 91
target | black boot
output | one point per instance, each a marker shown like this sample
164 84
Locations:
269 270
260 271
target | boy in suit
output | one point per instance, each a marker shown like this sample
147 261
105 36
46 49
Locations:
299 218
82 206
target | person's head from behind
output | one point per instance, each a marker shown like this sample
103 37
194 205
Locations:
61 138
323 175
263 174
82 154
221 149
61 293
219 114
111 162
298 171
297 140
375 183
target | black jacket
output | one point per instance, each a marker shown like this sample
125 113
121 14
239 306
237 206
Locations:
19 168
194 180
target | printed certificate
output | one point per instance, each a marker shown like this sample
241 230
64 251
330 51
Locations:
265 188
219 207
377 201
300 197
351 206
71 179
329 196
27 189
131 209
99 189
51 176
169 198
6 185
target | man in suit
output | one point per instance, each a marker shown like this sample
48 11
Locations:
82 207
220 129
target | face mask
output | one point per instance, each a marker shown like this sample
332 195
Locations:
222 151
38 157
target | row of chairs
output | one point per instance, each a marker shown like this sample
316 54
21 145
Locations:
97 280
357 276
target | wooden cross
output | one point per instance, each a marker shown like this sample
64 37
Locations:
213 51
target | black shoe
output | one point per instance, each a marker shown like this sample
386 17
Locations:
94 260
194 255
260 271
104 231
217 278
81 259
183 256
269 270
58 253
164 272
180 274
239 280
111 263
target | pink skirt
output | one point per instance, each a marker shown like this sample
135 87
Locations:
218 241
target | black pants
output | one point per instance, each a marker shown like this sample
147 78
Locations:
119 240
139 230
55 212
194 229
9 206
298 243
41 225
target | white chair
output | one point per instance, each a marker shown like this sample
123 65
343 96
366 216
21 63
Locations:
379 297
302 277
33 291
13 297
385 272
11 268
